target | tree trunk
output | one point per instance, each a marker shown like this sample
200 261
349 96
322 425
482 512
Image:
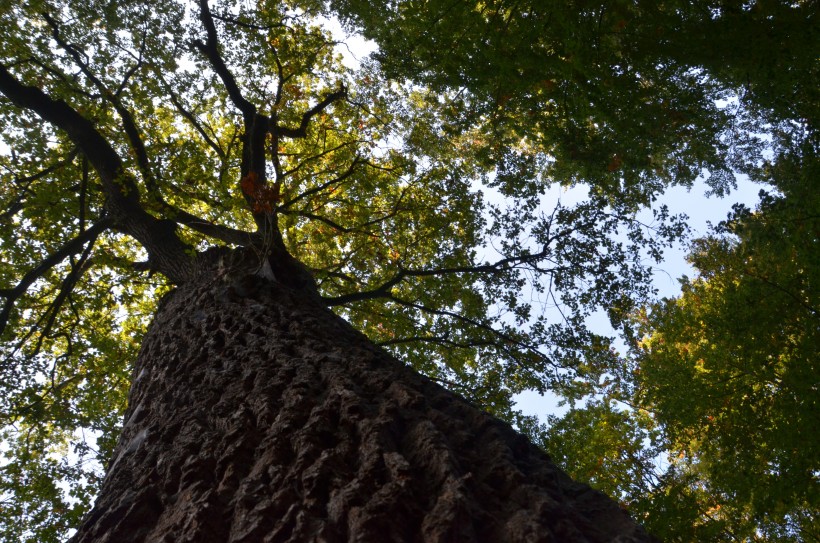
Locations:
255 414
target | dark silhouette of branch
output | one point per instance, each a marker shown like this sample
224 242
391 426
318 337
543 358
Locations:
210 49
301 132
454 315
217 231
194 122
281 78
123 191
69 81
500 266
66 288
336 180
255 124
25 182
72 247
315 217
245 24
128 123
441 340
487 328
304 162
383 291
349 229
797 299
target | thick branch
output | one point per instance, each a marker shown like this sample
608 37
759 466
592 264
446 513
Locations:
210 49
216 231
120 190
255 124
170 255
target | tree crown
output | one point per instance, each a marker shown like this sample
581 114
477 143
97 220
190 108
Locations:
137 136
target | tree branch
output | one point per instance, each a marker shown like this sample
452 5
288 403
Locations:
301 132
70 248
128 122
441 340
482 326
210 49
244 24
120 189
323 186
383 291
797 299
304 162
228 235
195 123
500 266
255 124
315 217
66 288
18 203
216 231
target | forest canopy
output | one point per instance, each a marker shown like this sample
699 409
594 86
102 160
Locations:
417 189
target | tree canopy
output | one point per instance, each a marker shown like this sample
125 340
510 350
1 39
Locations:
411 187
730 368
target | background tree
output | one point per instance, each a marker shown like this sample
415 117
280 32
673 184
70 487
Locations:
717 440
729 368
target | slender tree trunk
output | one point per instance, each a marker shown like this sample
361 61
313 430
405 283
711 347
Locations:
257 415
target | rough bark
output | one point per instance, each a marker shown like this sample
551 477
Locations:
257 415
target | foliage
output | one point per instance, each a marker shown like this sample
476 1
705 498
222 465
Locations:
578 80
596 442
135 135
